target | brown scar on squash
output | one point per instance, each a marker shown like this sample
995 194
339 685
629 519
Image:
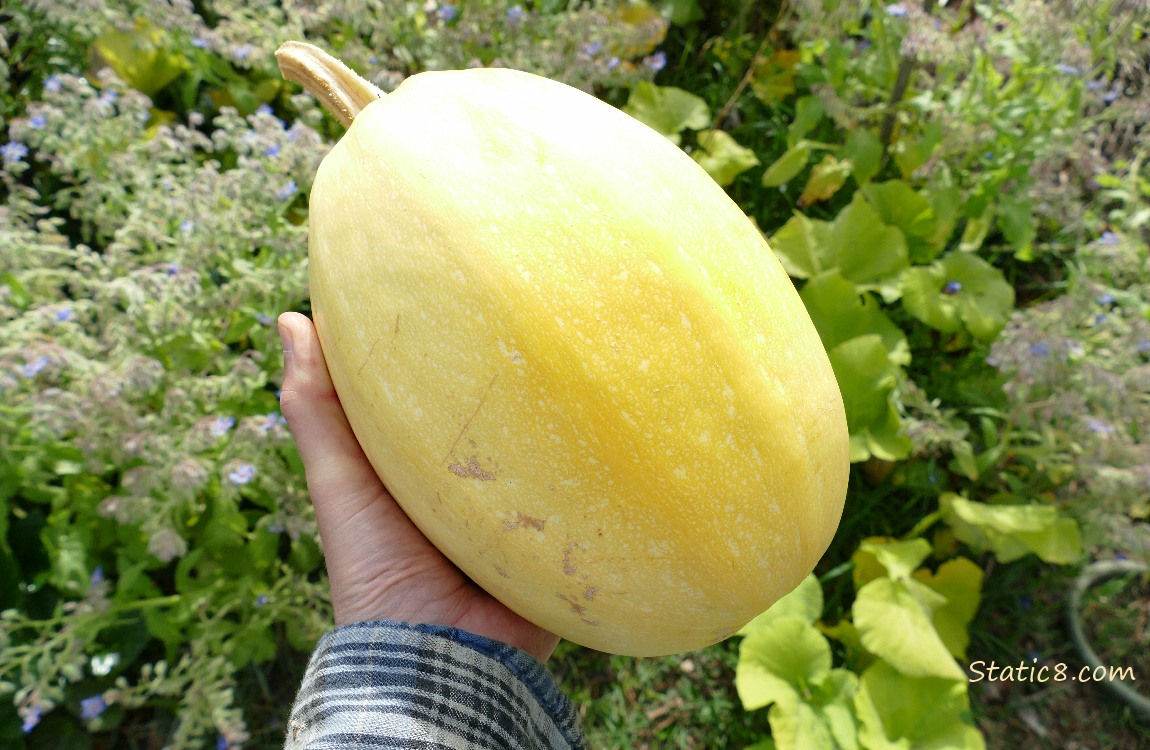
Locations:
522 519
568 564
589 592
471 471
576 607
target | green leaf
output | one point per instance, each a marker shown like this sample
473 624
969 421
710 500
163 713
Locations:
1016 219
1012 531
925 713
866 377
894 622
868 251
899 558
981 302
899 205
144 57
803 246
909 154
722 156
780 661
826 178
667 109
804 603
773 78
840 313
809 112
863 150
787 166
960 581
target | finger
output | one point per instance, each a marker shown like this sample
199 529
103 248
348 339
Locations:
340 478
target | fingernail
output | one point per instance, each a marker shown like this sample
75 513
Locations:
285 338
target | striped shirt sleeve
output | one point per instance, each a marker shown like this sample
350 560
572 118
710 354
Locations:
388 684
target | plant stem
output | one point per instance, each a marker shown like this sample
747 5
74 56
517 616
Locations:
341 91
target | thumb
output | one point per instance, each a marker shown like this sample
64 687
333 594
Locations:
340 478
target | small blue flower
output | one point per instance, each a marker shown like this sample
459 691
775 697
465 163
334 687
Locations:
96 578
447 13
1112 95
276 528
92 707
200 43
1120 557
1033 656
109 96
612 63
221 425
172 269
657 61
1041 349
52 84
187 225
1108 238
272 150
1098 427
264 109
1024 603
271 421
514 14
593 48
1142 347
31 718
287 191
33 368
13 151
372 60
222 743
1105 299
952 287
262 600
38 121
64 314
264 319
1099 319
897 10
1068 70
242 474
242 52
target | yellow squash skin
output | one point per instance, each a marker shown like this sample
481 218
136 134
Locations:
574 361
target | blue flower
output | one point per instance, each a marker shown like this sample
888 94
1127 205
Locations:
242 474
271 421
242 52
272 150
109 96
264 109
1112 95
1099 319
64 314
1041 349
31 718
262 600
37 121
657 61
898 10
1068 70
514 14
52 84
952 287
1108 238
33 368
264 319
187 225
287 190
1142 347
13 151
1105 299
221 425
172 269
92 707
222 743
447 12
612 63
200 43
1098 427
591 49
96 578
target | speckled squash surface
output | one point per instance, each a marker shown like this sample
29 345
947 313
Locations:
574 361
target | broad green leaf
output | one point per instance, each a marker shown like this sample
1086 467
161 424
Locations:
866 377
804 603
143 57
787 166
960 581
822 719
722 156
841 313
886 440
899 205
910 154
803 246
808 113
780 661
1012 531
667 109
826 178
959 290
925 713
1016 219
893 620
868 251
898 558
863 150
773 78
976 229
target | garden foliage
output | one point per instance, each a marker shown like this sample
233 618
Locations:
957 189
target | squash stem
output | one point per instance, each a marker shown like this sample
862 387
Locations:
341 91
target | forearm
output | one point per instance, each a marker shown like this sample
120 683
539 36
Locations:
388 684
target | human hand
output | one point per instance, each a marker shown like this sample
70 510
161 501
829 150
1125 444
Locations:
380 566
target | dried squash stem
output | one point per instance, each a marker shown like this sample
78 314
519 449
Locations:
337 86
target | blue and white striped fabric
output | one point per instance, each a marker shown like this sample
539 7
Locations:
424 687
